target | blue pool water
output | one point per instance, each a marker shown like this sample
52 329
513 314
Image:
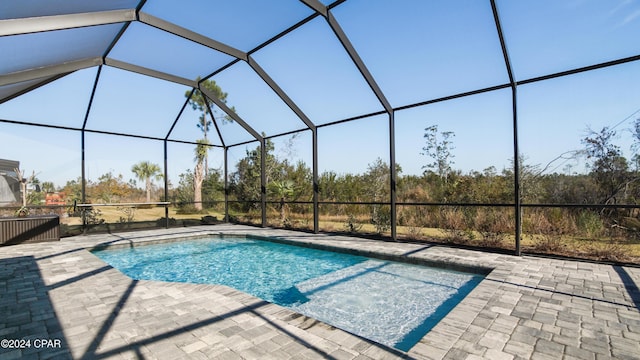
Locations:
389 302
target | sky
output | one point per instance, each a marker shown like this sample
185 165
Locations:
416 51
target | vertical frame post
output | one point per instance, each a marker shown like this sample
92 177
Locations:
263 180
166 185
82 145
516 149
516 171
83 180
226 184
392 174
316 187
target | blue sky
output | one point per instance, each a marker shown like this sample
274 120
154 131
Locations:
416 50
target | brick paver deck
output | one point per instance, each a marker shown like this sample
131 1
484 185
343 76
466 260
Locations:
61 301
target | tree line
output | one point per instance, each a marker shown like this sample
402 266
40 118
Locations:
610 179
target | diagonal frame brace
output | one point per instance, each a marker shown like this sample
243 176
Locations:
231 113
278 90
351 51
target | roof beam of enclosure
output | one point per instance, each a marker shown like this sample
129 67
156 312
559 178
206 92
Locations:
150 72
190 35
358 62
267 42
27 89
229 50
67 21
48 71
317 6
278 90
351 51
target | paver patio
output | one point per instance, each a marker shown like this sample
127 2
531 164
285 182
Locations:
526 308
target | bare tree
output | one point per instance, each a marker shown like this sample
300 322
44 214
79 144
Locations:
439 147
23 184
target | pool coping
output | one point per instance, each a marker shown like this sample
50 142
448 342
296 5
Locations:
526 307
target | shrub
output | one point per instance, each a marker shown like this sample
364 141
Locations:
129 213
352 224
536 222
381 218
454 226
493 226
414 232
208 219
93 216
161 222
589 223
547 236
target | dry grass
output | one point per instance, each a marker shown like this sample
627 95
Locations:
598 248
113 215
571 246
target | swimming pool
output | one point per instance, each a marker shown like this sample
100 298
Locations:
392 303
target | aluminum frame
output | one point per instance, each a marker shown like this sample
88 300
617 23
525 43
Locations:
47 74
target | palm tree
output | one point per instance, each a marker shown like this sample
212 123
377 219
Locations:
199 102
48 187
147 171
201 151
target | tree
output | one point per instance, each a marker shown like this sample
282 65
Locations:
36 196
608 167
110 188
145 170
199 102
328 186
245 181
282 189
198 172
48 187
23 184
377 187
212 189
530 185
439 147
